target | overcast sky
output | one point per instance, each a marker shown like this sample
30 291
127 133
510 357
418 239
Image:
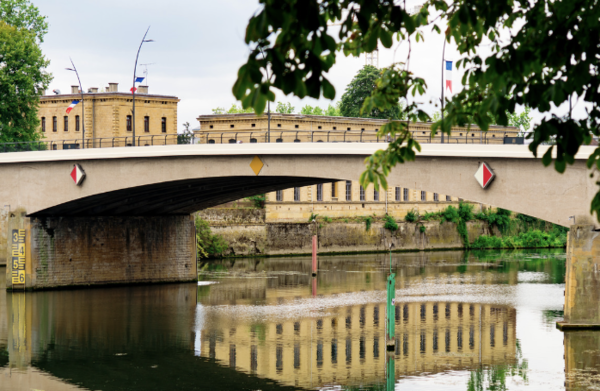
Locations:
197 52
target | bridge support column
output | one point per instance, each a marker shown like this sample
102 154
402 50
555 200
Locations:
582 281
85 251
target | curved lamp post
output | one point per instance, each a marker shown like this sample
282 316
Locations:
133 86
82 107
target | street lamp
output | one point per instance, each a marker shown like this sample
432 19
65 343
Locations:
74 69
133 86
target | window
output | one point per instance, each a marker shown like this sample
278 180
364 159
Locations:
296 140
335 128
279 195
436 197
333 190
375 195
279 125
296 126
253 141
232 141
43 124
423 196
211 141
296 194
405 194
54 124
211 126
163 124
448 198
147 124
348 191
232 126
279 140
66 123
398 191
254 125
320 192
319 127
77 123
128 125
362 193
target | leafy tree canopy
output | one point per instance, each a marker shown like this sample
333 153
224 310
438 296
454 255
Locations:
332 111
539 54
234 109
284 108
23 14
359 89
22 82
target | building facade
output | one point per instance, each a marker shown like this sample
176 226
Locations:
108 118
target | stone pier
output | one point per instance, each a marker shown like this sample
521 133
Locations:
582 281
59 252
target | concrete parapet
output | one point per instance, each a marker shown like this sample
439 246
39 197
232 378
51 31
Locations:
582 281
81 251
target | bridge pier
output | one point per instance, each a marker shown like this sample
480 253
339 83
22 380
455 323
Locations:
582 281
58 252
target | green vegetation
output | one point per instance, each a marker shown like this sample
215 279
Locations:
258 200
332 111
422 229
530 239
23 75
410 217
234 109
284 108
500 219
312 217
327 219
368 222
390 223
187 135
207 244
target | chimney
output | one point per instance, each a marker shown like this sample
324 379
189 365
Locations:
113 87
74 89
93 90
142 90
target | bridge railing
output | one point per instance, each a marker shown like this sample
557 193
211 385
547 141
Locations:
275 136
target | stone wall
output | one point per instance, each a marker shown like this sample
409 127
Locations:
296 238
109 250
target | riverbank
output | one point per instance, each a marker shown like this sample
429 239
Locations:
239 232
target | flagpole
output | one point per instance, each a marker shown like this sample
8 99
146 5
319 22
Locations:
133 87
443 88
74 69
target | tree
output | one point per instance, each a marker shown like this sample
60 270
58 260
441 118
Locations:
359 90
538 54
333 111
234 109
22 81
284 108
186 136
24 15
309 110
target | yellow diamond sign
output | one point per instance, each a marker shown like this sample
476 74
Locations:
256 165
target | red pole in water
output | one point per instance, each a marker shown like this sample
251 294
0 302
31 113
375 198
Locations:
314 255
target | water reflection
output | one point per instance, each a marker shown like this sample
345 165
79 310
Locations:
267 324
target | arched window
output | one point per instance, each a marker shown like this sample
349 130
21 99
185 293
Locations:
296 141
319 141
232 141
253 140
279 140
128 123
43 124
211 141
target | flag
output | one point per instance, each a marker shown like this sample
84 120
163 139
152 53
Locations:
73 104
449 75
139 79
133 90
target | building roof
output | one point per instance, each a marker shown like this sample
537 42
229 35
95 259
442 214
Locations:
106 95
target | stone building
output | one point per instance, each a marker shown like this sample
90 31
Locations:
108 118
347 198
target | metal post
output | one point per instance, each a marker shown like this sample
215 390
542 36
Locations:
133 86
391 301
74 69
268 121
443 87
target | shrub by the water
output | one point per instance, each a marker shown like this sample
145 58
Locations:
530 239
390 223
208 245
410 217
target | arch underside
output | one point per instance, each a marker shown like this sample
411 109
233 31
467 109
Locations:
178 197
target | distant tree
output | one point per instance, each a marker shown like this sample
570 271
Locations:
333 111
24 15
285 108
361 87
23 80
309 110
186 136
521 120
234 109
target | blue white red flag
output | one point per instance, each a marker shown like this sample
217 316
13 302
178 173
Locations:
449 75
73 104
139 79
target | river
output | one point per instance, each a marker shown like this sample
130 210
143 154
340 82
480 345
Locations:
463 321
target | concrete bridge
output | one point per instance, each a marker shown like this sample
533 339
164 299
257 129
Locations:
129 220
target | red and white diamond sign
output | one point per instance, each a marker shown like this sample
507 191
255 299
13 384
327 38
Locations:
77 174
484 175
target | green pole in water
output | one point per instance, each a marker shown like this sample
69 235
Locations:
391 296
390 372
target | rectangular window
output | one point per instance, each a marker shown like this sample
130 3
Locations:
423 196
147 124
405 194
448 198
163 124
296 194
66 123
333 190
128 123
54 124
43 124
362 193
398 192
436 197
77 123
348 191
279 195
375 195
320 192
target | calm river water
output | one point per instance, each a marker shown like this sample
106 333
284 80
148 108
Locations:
463 321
